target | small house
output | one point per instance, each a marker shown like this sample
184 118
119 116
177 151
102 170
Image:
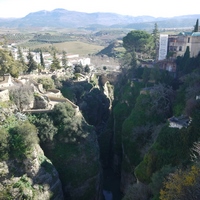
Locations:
179 122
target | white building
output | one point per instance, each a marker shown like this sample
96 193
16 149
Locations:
163 45
84 61
70 56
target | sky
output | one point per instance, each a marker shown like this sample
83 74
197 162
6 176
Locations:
155 8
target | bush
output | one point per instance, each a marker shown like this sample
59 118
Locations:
137 191
4 145
47 83
46 129
22 96
158 178
22 138
71 127
183 184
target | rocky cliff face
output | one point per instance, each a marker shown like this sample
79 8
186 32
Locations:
34 177
41 102
74 151
79 168
109 92
125 98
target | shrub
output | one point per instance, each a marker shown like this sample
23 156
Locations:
22 96
22 137
182 185
46 129
137 191
47 83
4 145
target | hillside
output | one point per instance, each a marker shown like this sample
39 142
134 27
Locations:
115 49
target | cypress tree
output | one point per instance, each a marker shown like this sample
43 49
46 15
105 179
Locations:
55 63
32 65
196 27
186 60
41 59
64 59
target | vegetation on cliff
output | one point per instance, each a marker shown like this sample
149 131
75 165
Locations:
66 139
25 171
155 160
145 98
71 144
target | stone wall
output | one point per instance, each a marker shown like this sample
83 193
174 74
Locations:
195 49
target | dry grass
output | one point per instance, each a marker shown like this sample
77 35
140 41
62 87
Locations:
71 47
78 47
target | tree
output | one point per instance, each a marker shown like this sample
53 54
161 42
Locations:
186 59
78 69
155 74
146 75
183 185
8 64
62 112
6 61
104 68
46 129
20 54
71 128
129 63
187 53
196 27
184 64
137 41
23 137
64 59
42 59
156 39
21 60
87 69
161 96
22 96
55 63
47 83
4 145
32 65
158 178
133 62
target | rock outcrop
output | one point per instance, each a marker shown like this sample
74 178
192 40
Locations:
41 102
79 168
31 178
74 151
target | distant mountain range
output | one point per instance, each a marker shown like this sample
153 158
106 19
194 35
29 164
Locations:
61 18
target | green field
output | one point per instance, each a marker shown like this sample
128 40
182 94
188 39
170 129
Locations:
71 47
73 41
78 47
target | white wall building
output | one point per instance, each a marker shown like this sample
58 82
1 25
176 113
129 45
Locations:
163 45
84 61
72 56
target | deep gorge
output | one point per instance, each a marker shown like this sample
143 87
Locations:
119 145
98 112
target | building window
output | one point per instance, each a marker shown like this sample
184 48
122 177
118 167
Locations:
189 40
180 48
